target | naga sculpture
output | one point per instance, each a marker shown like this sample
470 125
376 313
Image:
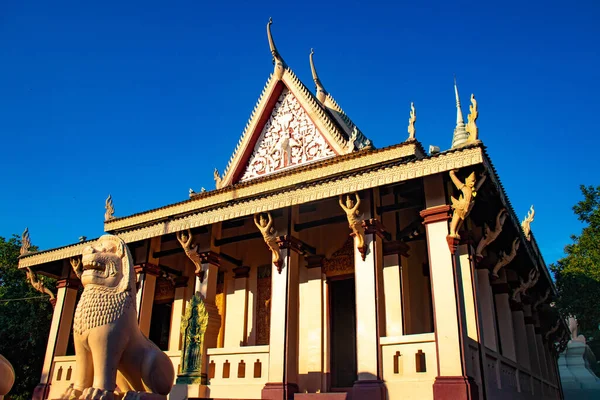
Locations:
218 179
110 209
526 224
265 226
505 259
25 243
411 122
491 235
534 275
471 127
110 349
541 300
463 206
575 337
39 285
355 219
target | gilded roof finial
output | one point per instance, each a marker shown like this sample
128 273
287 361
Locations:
411 122
471 119
460 133
526 223
110 209
321 92
277 59
25 243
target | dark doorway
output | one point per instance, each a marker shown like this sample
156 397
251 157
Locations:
342 308
160 325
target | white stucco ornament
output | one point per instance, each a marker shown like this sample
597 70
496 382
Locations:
288 139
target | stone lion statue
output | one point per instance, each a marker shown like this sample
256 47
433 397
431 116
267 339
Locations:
110 349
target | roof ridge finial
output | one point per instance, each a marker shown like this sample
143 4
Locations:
277 59
460 132
321 92
411 122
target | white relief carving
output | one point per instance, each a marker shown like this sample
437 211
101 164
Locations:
289 138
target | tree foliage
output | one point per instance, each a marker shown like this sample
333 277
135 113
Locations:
24 324
578 273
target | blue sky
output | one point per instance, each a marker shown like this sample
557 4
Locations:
143 100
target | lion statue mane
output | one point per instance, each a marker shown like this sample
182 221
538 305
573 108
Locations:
113 358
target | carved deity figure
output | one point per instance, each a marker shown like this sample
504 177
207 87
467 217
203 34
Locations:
505 259
38 285
264 223
573 327
491 235
471 121
191 249
110 209
355 219
110 349
462 207
526 224
411 122
193 329
25 242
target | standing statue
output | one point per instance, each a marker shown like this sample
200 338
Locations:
265 226
193 328
462 207
526 224
574 331
39 285
489 235
355 219
412 119
505 259
110 349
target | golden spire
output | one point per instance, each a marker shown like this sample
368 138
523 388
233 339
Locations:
411 122
321 92
277 59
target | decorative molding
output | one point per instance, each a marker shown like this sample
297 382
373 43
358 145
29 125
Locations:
435 214
341 261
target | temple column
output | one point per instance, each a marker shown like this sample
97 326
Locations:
451 381
501 291
531 343
487 314
147 274
540 347
392 288
283 328
206 287
518 318
237 318
177 313
60 328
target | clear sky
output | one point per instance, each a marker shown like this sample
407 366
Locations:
144 99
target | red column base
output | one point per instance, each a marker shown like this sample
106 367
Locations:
276 391
455 388
369 389
40 392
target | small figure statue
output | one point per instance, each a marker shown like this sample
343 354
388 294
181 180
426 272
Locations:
218 179
489 235
25 243
505 259
462 207
39 285
471 118
191 193
574 331
191 250
355 219
77 268
110 209
411 122
265 226
526 224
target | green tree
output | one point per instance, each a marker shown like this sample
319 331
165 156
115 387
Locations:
578 273
24 324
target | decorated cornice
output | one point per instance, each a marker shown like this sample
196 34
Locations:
275 193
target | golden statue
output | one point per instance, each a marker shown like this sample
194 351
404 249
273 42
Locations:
264 223
462 207
526 224
39 285
191 249
25 242
411 122
471 119
355 220
110 209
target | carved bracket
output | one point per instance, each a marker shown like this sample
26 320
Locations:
39 285
505 259
463 206
534 275
264 223
191 250
541 300
350 204
489 235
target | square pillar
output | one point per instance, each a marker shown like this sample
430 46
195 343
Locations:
237 318
392 282
531 343
487 314
452 382
146 274
521 344
60 328
506 330
177 313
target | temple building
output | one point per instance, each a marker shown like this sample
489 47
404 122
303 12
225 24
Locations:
328 267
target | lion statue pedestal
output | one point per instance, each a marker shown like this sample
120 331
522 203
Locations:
113 358
7 376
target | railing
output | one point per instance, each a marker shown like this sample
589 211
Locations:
238 372
409 365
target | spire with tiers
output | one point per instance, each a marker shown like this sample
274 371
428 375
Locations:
460 132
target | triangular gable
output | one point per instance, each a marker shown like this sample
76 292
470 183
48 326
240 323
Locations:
314 133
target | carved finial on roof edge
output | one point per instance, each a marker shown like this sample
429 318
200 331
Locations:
526 224
411 122
277 59
472 128
110 209
25 243
321 92
218 179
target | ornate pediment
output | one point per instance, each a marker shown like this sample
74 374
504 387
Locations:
288 139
